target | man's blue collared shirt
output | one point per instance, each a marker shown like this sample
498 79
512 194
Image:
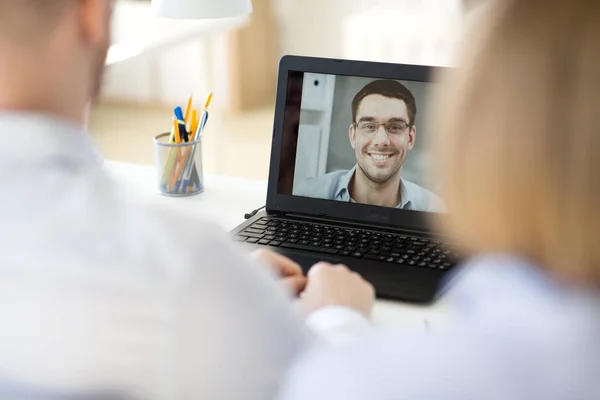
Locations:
334 186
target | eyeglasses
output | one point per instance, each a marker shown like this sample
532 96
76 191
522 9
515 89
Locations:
393 128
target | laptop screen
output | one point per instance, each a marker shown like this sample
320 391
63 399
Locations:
358 139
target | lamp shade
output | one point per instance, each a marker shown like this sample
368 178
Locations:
201 9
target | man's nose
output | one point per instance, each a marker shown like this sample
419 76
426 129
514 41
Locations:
381 138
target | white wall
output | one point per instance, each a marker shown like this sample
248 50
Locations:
408 31
158 78
378 30
159 60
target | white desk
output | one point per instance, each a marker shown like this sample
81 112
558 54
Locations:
226 199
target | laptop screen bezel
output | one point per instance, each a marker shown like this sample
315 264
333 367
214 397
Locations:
352 212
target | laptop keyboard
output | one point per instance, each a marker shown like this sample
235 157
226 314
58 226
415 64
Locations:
350 242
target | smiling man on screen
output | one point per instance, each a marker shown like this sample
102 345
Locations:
382 134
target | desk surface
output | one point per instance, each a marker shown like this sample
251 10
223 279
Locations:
226 199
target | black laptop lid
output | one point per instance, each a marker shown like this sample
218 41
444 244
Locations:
350 142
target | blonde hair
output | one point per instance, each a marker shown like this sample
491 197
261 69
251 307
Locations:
519 125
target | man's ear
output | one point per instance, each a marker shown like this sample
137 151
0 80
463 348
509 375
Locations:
352 136
94 20
412 135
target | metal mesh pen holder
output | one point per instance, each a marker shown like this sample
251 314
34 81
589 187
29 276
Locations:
179 166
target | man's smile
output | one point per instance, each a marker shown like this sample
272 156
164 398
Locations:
380 158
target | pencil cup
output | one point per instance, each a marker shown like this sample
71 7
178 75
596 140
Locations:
179 166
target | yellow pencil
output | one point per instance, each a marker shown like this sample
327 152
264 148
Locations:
176 129
172 159
193 123
208 100
188 109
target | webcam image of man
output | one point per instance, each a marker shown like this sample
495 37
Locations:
382 135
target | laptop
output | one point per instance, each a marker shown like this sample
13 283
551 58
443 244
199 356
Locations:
347 178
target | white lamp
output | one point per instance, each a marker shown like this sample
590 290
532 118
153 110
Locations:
201 9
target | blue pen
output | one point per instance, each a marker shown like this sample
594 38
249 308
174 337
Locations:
181 123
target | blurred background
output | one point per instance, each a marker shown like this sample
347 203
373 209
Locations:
154 65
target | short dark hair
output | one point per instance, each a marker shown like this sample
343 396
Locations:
387 88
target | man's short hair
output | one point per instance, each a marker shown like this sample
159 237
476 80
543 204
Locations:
387 88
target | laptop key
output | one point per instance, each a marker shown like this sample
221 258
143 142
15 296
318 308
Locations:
390 259
357 254
309 248
251 235
275 243
345 253
374 257
269 237
252 240
263 241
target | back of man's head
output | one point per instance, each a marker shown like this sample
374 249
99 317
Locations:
28 20
53 54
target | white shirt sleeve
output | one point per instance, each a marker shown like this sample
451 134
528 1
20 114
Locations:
338 325
234 332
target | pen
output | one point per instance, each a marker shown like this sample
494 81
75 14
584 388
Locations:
190 165
181 123
172 153
204 117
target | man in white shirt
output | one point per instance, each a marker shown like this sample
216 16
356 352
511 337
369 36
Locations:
101 295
